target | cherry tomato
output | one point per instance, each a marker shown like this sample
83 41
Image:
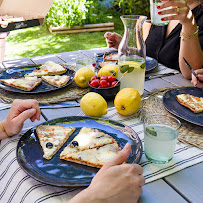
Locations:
104 77
108 84
93 64
93 78
95 83
111 78
103 84
113 83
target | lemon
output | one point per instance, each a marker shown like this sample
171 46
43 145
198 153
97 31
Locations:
127 101
82 76
93 104
108 70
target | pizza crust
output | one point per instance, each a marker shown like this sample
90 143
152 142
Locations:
57 80
195 104
26 84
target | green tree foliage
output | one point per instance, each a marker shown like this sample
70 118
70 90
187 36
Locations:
76 12
136 7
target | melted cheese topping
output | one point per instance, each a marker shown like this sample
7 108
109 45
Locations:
96 156
89 138
57 80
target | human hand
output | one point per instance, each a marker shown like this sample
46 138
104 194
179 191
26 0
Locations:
179 11
20 111
194 80
115 182
112 39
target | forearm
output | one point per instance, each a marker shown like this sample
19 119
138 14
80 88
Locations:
190 49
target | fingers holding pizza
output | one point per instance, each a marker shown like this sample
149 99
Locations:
115 181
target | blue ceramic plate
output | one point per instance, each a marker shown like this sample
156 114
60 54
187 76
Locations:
19 72
151 63
172 105
63 173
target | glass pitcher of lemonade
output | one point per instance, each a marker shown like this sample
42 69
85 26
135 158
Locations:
132 54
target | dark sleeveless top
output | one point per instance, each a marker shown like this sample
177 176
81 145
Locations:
166 50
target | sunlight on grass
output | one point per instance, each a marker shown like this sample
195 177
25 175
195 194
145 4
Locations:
38 41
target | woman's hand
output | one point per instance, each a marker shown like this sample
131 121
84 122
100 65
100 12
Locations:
20 111
194 80
179 11
115 182
112 39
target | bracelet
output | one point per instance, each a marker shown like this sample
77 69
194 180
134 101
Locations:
3 129
186 36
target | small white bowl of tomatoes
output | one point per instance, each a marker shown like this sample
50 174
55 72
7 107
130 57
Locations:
106 86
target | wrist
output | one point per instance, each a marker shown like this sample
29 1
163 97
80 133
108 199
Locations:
3 133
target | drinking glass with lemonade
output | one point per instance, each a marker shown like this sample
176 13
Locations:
132 53
160 137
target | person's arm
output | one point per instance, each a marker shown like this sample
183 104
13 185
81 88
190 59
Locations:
20 111
190 47
194 80
115 182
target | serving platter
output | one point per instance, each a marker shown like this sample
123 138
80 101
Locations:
59 172
19 72
151 63
173 106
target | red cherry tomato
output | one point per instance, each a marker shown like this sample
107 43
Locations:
95 83
109 84
93 78
104 77
111 78
103 84
113 83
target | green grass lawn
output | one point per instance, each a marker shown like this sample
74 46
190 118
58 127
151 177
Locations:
37 41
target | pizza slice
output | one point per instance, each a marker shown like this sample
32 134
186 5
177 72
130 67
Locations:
88 138
95 157
111 57
49 68
26 84
195 104
57 80
52 138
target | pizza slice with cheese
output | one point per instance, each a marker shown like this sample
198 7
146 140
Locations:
194 103
111 57
57 80
49 68
52 138
88 145
26 84
95 157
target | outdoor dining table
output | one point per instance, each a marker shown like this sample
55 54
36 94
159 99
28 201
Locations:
182 186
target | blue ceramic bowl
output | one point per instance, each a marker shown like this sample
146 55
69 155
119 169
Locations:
108 93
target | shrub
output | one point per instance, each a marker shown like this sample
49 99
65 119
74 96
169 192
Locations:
136 7
76 12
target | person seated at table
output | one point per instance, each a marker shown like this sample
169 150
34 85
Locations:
194 80
115 181
182 37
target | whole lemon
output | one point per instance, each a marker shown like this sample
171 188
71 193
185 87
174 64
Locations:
108 70
82 76
93 104
127 101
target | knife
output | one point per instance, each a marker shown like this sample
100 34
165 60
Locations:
57 106
191 69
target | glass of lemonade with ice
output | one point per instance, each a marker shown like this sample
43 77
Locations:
160 137
134 69
155 17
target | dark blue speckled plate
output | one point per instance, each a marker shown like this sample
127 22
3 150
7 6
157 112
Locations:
19 72
172 105
63 173
151 63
